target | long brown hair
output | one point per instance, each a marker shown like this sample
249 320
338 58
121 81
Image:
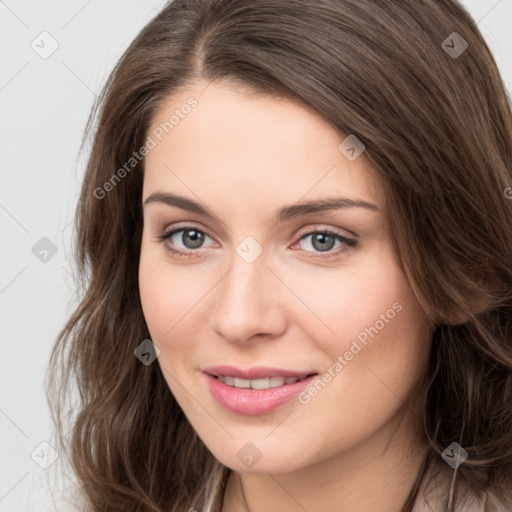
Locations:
436 122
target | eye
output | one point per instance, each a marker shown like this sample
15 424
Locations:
184 242
190 237
324 241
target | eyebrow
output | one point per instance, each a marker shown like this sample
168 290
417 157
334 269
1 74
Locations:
284 213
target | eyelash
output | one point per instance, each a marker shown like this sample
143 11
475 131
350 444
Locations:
349 243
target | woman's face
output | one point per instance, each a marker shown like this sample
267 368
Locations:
280 266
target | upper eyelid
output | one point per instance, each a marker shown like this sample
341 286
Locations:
175 229
329 231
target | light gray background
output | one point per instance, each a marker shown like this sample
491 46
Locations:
44 104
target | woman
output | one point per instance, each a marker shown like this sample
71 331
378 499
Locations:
294 237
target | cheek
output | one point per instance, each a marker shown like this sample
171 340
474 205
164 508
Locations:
153 289
379 339
375 363
382 345
158 296
165 300
371 293
172 297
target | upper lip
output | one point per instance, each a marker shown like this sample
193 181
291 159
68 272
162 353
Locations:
256 372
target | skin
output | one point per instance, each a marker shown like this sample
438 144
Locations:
244 155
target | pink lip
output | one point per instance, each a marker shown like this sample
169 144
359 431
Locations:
254 402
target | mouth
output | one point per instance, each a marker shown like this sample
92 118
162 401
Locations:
264 383
255 391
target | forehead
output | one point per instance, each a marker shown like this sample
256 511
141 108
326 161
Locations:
233 139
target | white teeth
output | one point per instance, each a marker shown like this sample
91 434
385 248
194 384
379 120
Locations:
276 381
242 383
230 381
267 382
260 383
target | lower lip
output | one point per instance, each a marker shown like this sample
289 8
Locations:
253 402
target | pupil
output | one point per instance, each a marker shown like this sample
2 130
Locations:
192 238
321 238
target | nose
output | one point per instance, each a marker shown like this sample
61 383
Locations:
249 302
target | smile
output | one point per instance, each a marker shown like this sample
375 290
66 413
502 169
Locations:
255 391
265 383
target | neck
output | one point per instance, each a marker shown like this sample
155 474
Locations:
378 474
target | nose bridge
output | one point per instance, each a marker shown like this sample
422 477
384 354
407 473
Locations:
247 303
